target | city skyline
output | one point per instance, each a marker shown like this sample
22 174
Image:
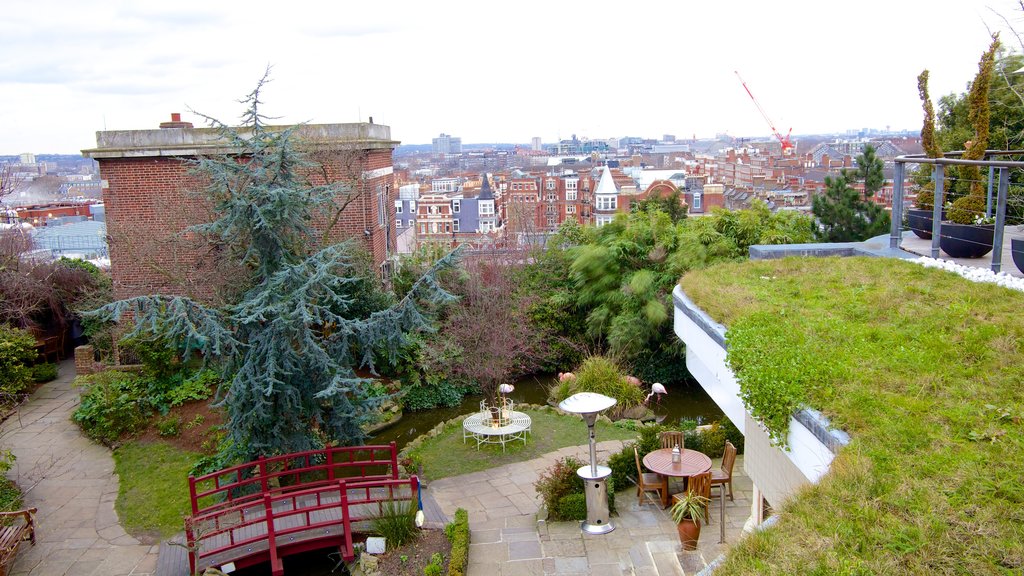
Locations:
484 72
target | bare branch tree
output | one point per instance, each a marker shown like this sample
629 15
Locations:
10 181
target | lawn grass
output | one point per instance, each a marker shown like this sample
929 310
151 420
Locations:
153 497
447 455
925 370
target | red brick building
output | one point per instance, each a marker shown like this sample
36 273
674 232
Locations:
148 193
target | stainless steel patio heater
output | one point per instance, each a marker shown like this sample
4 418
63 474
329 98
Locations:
589 405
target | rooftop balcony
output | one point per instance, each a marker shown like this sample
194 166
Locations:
989 245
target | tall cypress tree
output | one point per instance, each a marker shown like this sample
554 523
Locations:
287 350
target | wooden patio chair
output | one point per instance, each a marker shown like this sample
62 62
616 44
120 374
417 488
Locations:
723 476
671 439
648 482
701 486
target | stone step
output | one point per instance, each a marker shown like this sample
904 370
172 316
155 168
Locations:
664 553
641 560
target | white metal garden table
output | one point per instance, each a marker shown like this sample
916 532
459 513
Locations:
479 427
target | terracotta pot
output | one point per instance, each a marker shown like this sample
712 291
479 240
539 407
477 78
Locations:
689 532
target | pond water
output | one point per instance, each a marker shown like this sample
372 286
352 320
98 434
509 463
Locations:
686 401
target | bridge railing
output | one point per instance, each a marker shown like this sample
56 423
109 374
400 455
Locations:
244 483
327 512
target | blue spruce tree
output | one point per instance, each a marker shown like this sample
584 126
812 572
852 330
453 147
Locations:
288 349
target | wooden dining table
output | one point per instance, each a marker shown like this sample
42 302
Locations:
691 463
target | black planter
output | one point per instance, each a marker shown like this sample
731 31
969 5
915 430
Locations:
966 240
920 222
1017 250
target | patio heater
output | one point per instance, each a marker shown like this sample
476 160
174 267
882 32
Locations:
589 405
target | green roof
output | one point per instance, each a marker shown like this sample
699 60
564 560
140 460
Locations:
925 370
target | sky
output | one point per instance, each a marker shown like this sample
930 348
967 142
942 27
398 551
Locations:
482 70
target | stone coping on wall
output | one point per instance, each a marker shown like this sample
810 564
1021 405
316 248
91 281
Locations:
876 247
210 141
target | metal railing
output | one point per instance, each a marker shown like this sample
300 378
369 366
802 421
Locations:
999 171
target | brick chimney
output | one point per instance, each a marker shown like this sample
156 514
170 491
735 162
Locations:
175 122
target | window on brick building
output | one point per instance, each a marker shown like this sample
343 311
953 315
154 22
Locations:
412 206
382 207
398 223
696 201
398 207
570 209
455 223
570 196
456 206
551 185
412 223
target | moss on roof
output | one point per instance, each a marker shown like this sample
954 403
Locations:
926 372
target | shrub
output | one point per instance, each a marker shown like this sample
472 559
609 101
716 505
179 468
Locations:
198 387
436 565
571 507
44 372
10 495
601 375
17 351
169 426
396 522
458 533
432 395
966 209
558 481
623 467
113 405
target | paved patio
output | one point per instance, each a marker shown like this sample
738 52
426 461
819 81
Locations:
507 539
71 480
915 245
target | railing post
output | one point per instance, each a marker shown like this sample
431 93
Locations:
997 239
190 543
394 460
988 199
346 522
896 225
276 566
192 494
263 474
330 463
940 180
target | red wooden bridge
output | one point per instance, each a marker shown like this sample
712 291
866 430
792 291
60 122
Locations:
265 510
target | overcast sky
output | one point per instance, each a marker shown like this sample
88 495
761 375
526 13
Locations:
483 70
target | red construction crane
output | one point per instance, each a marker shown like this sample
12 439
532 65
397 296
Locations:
787 145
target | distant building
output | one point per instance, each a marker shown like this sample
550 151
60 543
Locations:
445 144
27 158
535 144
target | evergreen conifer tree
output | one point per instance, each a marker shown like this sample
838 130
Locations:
288 349
844 215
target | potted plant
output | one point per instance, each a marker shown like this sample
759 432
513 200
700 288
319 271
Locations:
968 233
688 513
919 218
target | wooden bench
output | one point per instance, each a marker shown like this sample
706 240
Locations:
12 535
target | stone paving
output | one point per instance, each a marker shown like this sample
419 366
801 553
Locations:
71 480
506 539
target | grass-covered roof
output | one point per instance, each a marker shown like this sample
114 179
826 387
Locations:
925 370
